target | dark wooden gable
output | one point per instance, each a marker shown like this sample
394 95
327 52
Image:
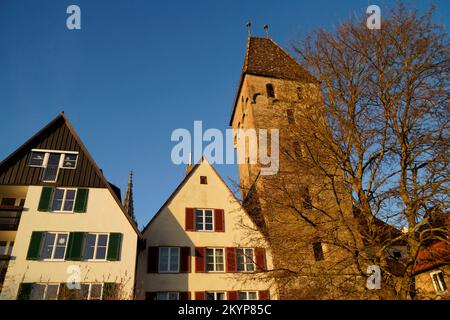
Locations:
57 135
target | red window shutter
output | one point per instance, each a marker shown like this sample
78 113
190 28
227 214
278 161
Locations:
260 257
190 219
185 259
199 259
150 296
264 295
152 259
231 259
232 295
219 220
199 295
185 295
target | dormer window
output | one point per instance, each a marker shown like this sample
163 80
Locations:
270 90
52 161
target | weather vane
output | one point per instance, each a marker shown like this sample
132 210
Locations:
266 29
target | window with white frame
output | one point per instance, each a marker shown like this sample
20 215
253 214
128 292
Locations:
63 200
95 246
204 220
438 281
248 295
245 259
70 161
44 291
169 259
215 259
215 295
92 291
52 161
54 246
168 296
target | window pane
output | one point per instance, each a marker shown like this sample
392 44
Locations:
70 160
10 249
174 259
173 295
102 240
52 292
3 245
61 242
209 296
57 199
70 199
96 292
220 296
208 226
164 259
37 292
208 213
89 246
252 295
161 296
242 295
84 292
101 253
36 159
48 245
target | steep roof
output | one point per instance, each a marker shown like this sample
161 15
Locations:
59 135
264 57
181 185
433 256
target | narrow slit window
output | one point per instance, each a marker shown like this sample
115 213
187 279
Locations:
270 90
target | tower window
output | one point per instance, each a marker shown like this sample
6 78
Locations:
290 116
318 251
306 199
299 93
298 150
203 180
438 281
270 90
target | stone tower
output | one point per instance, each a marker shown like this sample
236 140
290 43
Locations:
293 206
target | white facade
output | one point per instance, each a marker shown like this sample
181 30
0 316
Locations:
168 229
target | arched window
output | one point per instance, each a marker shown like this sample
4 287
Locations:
270 90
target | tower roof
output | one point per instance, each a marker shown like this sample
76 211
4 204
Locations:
264 57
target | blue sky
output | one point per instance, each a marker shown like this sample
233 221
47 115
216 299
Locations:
139 69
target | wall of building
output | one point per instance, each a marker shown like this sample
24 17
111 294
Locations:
168 229
102 215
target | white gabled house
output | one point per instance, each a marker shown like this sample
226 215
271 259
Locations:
202 245
61 221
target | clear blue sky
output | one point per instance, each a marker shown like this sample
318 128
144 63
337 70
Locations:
138 70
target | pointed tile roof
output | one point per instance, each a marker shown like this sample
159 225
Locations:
264 57
58 134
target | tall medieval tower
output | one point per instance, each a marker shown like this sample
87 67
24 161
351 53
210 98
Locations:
294 207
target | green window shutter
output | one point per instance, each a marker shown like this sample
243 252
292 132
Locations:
110 291
114 246
74 249
34 250
24 291
81 200
46 199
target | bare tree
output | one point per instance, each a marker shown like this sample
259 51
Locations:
367 156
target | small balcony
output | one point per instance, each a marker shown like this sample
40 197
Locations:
10 217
